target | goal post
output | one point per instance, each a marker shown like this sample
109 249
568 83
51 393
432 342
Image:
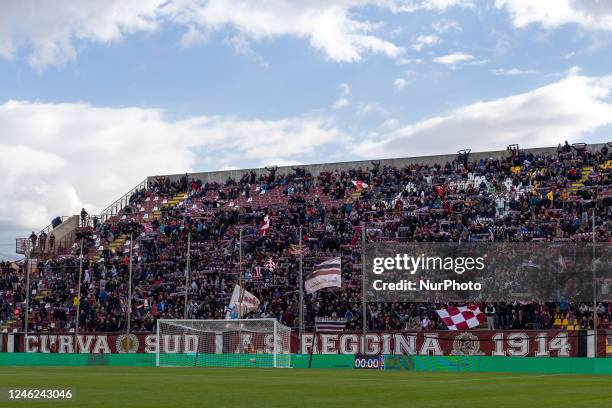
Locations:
223 343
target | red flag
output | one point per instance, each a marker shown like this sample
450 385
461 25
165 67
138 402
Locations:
359 185
461 318
256 273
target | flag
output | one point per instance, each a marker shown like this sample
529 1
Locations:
461 318
243 301
325 275
295 249
359 184
265 225
148 228
328 324
256 274
270 265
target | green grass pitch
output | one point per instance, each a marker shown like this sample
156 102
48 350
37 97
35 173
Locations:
252 387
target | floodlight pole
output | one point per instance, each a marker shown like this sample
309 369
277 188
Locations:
594 284
301 284
78 313
187 273
240 260
129 300
27 299
363 290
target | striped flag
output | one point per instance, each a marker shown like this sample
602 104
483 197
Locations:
256 273
461 318
328 324
325 275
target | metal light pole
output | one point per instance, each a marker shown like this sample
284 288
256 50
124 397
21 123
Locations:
363 290
27 299
129 300
78 314
301 283
187 274
594 286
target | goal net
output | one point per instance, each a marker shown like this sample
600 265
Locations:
223 343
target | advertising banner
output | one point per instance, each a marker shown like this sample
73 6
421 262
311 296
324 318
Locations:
519 343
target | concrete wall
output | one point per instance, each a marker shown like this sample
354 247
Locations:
315 169
64 233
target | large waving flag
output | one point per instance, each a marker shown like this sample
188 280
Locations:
461 318
325 275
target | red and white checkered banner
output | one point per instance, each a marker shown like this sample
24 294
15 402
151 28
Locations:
461 318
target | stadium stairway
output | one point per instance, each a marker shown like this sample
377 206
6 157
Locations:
151 213
586 170
119 241
173 202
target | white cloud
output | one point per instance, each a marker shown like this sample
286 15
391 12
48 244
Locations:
453 59
194 36
328 26
565 110
48 30
345 92
442 26
371 107
242 46
400 83
589 14
430 5
425 41
58 158
513 71
341 103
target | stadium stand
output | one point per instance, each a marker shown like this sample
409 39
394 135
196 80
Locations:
514 195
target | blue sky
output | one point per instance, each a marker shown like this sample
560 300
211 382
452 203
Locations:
95 96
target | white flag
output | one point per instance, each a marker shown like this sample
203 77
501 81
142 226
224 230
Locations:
243 300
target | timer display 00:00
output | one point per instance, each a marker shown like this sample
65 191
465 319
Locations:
370 362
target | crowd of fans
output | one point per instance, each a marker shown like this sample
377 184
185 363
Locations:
522 198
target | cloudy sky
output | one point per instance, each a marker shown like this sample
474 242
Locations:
97 95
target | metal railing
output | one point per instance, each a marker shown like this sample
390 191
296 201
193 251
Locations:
121 203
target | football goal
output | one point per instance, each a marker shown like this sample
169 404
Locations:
223 343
